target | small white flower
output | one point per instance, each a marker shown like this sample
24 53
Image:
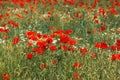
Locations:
54 41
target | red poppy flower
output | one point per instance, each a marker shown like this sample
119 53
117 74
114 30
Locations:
41 44
30 34
54 62
113 47
18 15
68 32
97 45
34 38
14 24
55 1
76 74
5 37
29 56
96 21
58 32
53 48
49 40
118 4
102 11
63 47
81 4
15 40
102 28
25 11
43 65
77 65
51 27
4 25
44 36
96 1
39 35
52 35
93 55
118 42
103 45
71 49
39 50
64 39
29 44
5 76
118 48
88 32
115 57
34 49
71 2
113 11
28 0
21 4
72 42
3 30
15 1
83 51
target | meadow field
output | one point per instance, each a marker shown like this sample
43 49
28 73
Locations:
59 39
